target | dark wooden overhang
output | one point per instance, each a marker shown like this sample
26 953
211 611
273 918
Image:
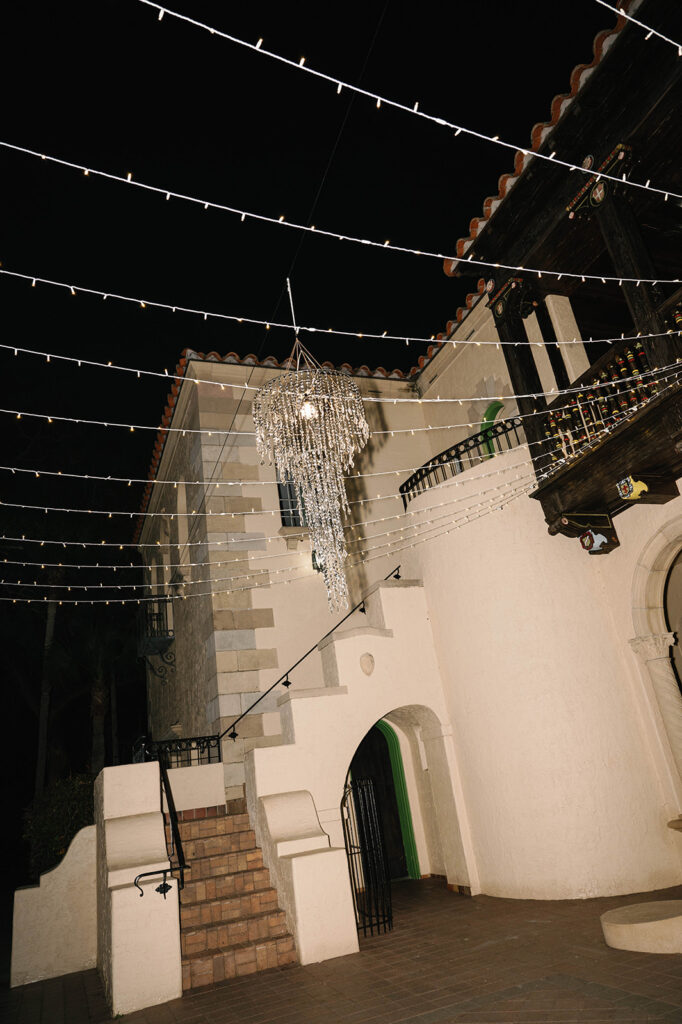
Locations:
633 99
633 96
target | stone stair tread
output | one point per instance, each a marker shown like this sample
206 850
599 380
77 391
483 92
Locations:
230 842
236 913
217 950
225 824
223 899
196 871
186 929
225 853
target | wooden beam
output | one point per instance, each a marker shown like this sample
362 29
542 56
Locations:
630 258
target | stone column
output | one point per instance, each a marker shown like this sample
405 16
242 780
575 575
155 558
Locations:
566 329
654 650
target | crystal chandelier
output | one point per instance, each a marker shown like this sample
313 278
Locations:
311 423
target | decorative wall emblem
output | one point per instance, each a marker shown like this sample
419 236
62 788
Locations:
630 489
598 194
598 543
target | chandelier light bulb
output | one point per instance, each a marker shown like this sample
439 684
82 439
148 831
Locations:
309 409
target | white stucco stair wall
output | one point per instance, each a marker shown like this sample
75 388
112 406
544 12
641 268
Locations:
323 727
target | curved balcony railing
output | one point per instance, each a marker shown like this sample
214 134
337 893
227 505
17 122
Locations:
499 437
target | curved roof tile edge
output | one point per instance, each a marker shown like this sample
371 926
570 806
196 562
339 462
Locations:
581 72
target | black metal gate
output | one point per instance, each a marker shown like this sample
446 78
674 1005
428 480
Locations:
369 877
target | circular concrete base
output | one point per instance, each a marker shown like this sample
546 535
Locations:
645 927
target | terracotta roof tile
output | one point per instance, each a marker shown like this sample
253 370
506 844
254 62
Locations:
580 74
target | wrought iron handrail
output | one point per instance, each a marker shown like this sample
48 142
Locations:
284 679
185 751
176 840
174 848
461 456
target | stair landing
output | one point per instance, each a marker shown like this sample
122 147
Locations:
230 920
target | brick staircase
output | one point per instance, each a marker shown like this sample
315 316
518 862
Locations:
230 921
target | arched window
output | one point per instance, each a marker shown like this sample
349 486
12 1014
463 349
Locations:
489 417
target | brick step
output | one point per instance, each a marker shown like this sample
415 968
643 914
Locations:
212 846
216 910
217 938
236 806
205 969
225 824
224 864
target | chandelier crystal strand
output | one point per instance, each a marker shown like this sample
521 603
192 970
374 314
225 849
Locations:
311 423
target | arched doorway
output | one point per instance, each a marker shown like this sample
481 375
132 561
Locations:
654 581
672 604
378 757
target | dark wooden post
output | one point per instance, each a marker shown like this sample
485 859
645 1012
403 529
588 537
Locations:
630 258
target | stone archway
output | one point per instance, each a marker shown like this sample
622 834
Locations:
653 640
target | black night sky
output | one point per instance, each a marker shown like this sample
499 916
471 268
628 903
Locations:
107 85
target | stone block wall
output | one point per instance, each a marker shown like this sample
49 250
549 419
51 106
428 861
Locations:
248 626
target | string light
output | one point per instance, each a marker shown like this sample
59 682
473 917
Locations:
374 399
260 512
278 537
271 572
455 342
262 572
597 440
383 101
539 477
650 31
233 590
173 515
281 221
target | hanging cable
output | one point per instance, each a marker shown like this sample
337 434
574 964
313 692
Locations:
281 221
384 101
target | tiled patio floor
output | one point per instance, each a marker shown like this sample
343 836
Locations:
448 959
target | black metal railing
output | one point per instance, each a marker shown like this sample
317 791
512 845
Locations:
613 389
155 633
496 438
176 854
184 752
175 845
366 852
284 679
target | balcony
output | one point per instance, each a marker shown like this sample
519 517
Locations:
622 422
500 437
155 634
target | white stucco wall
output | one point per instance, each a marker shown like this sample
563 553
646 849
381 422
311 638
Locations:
322 728
138 948
54 929
560 778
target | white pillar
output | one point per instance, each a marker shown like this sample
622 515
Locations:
566 329
654 650
138 947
